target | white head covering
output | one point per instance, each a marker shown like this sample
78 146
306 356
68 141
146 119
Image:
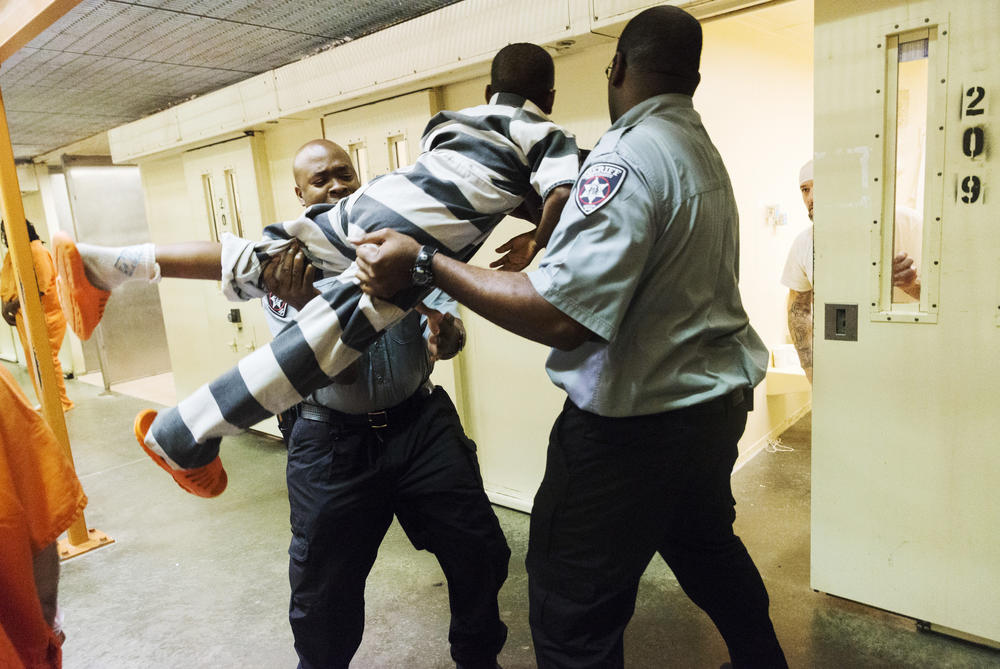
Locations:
806 173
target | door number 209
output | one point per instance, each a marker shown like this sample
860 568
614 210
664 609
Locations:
973 143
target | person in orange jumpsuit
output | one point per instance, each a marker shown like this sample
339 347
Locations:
40 497
55 322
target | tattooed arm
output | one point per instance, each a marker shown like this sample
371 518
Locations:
800 325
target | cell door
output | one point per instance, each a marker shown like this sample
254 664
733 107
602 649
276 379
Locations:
107 208
906 461
228 192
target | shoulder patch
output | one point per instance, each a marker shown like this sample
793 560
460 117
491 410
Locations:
597 185
277 305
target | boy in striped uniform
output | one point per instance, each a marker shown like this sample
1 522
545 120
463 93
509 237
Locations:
477 166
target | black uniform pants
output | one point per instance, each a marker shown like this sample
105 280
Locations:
618 490
345 482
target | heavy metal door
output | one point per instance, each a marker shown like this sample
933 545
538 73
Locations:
229 191
906 461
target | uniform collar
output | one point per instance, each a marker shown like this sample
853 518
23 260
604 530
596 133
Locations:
515 100
653 105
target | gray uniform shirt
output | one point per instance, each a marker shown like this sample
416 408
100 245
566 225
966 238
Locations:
646 255
391 370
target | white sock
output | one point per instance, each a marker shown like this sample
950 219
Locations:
107 267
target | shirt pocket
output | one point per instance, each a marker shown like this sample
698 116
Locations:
408 330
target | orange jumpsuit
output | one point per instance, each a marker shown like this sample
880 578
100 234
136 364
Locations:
55 322
40 497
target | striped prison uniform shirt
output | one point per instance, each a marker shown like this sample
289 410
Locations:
475 167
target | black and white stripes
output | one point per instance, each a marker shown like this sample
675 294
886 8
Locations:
477 165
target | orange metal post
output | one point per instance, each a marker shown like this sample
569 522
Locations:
80 538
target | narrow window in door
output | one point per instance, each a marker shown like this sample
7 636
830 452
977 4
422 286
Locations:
910 164
359 156
234 202
209 193
398 152
906 244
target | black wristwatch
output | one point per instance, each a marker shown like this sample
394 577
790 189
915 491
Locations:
422 274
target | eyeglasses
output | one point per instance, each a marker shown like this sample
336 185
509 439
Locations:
607 70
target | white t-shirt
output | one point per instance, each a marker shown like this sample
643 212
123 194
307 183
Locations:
798 274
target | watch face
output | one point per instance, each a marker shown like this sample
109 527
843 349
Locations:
422 274
421 277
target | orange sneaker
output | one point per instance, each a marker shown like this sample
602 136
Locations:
205 481
82 302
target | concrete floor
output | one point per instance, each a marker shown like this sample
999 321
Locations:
202 583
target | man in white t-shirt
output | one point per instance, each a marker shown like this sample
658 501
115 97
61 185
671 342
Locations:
798 273
798 278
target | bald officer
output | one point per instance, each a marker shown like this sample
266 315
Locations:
638 295
380 441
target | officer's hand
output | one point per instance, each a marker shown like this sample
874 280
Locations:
10 310
447 333
385 262
290 276
520 251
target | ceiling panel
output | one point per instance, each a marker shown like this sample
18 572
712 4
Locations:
308 17
58 129
108 62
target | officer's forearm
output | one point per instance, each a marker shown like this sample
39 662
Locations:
509 300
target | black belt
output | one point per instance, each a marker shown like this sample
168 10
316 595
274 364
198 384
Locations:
737 399
376 420
740 397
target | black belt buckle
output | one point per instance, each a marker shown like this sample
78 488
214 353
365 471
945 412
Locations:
378 419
